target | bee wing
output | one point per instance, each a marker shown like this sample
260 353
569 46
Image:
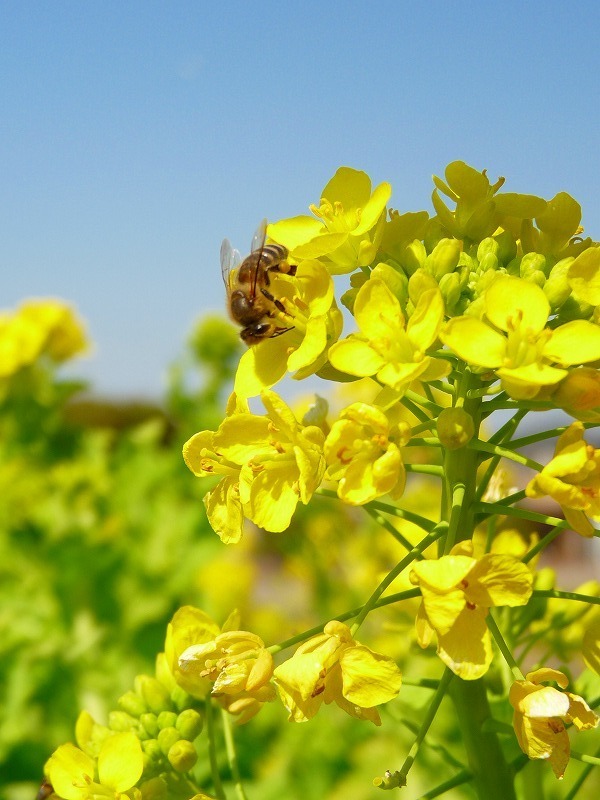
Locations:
230 258
258 241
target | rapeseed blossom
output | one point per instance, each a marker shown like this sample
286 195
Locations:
75 775
387 346
269 464
515 342
572 478
239 667
541 714
458 591
314 323
348 226
333 667
363 454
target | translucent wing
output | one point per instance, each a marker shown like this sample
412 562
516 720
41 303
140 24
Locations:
230 258
258 241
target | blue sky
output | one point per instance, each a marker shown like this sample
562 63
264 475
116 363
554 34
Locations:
136 135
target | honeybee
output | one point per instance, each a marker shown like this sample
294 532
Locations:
249 300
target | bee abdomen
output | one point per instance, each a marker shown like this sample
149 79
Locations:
272 255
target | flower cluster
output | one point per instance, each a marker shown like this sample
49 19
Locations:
39 328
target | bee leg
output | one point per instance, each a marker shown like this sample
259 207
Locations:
279 331
277 303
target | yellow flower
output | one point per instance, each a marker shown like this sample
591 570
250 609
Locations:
36 328
458 591
349 223
73 773
541 713
314 322
579 394
333 667
363 454
515 342
572 478
239 667
387 346
269 463
189 626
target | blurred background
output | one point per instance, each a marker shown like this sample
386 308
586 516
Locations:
134 137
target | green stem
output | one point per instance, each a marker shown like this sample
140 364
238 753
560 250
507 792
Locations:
387 525
595 760
390 599
487 509
415 397
503 647
212 749
432 710
542 544
425 469
232 755
411 556
504 452
557 594
421 522
492 777
461 777
542 435
574 790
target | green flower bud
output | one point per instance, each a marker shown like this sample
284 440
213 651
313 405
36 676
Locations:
121 721
557 288
180 698
395 280
149 723
413 257
444 258
133 703
507 247
154 693
167 738
166 719
418 283
488 262
574 309
155 789
487 246
455 428
189 724
450 289
182 756
152 749
532 263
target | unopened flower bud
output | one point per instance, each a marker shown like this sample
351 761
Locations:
557 288
155 789
122 721
455 428
450 289
149 723
189 724
420 282
444 258
154 693
413 256
167 737
152 749
166 719
488 262
133 703
486 247
395 280
182 756
531 264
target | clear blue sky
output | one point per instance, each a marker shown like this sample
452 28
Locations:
135 135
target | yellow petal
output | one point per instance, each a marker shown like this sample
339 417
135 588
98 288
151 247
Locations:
424 325
510 299
590 646
224 511
584 276
66 766
467 648
355 357
474 341
262 366
377 311
368 678
295 231
121 761
575 342
499 580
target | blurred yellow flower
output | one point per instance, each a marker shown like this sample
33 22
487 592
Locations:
333 667
541 713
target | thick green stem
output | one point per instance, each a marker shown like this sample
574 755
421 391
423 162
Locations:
492 776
